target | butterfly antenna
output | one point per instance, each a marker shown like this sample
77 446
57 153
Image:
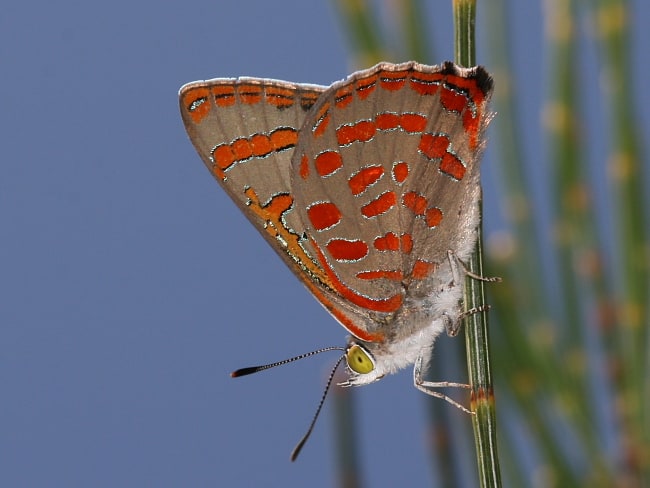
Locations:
298 448
257 369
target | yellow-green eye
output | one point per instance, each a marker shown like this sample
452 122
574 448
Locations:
358 360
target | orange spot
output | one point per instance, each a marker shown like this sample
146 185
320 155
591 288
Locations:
308 100
433 216
284 138
400 171
344 320
413 122
277 206
304 167
197 103
361 131
366 86
272 215
407 243
328 162
379 205
250 94
429 83
455 102
242 149
224 95
452 166
364 178
343 97
380 305
422 269
388 242
324 215
387 121
456 95
433 146
279 97
468 84
427 77
322 120
471 125
376 275
261 145
425 84
414 202
344 250
392 80
223 156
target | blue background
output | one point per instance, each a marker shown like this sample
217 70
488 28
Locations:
130 286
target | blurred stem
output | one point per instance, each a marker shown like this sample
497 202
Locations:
413 31
362 27
346 441
612 24
574 232
525 352
579 251
522 257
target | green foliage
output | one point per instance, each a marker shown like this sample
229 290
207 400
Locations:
569 323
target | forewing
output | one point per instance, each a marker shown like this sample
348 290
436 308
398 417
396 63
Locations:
246 130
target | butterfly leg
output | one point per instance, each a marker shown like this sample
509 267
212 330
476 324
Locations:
428 386
458 268
458 271
452 323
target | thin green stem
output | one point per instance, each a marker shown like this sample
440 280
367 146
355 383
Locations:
476 327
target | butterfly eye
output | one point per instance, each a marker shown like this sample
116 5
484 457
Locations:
358 360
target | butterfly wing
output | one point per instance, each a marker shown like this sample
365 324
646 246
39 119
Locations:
386 182
245 131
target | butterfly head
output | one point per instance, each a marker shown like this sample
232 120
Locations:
368 362
361 364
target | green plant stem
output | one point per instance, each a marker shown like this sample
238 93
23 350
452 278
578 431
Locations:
476 328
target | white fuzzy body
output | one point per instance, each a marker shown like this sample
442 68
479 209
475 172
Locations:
417 325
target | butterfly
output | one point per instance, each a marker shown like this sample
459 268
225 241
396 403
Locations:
368 190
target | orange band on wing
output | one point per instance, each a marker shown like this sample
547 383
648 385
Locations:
386 305
345 321
272 214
